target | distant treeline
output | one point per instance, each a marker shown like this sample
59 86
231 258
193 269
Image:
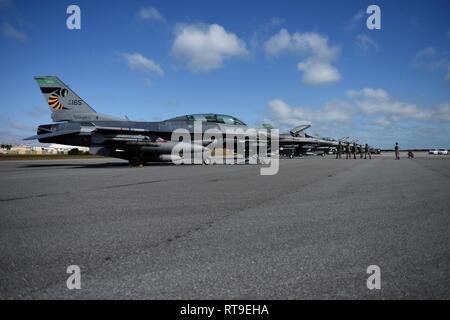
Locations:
6 146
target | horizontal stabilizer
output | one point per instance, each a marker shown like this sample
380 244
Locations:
52 134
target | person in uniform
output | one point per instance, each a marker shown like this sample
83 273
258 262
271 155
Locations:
354 150
339 151
347 151
367 152
360 151
397 151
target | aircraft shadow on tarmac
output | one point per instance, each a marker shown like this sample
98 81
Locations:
93 165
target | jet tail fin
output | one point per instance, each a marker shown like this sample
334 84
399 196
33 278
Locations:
267 126
64 103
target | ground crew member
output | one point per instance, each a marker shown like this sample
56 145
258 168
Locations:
354 150
347 151
339 151
397 151
360 151
367 152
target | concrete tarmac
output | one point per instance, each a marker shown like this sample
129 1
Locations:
225 232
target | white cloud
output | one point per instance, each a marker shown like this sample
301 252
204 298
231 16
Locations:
378 102
426 52
282 113
205 47
382 121
394 109
309 43
11 32
275 21
279 42
138 62
431 58
378 94
317 73
442 113
358 16
368 107
316 66
356 20
423 56
150 13
364 43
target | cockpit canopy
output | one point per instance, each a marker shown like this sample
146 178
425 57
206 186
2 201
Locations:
210 117
296 131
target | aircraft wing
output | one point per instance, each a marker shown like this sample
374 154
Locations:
52 134
125 133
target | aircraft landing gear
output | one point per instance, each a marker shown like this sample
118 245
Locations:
207 160
135 161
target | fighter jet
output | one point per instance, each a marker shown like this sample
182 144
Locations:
298 143
77 123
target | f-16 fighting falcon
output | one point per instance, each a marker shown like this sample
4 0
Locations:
297 142
138 142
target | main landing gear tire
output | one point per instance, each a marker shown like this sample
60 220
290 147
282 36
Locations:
135 161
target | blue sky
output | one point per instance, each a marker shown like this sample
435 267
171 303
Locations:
284 62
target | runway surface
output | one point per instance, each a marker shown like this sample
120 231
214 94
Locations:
220 232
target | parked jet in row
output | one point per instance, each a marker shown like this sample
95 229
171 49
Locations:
298 143
76 123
